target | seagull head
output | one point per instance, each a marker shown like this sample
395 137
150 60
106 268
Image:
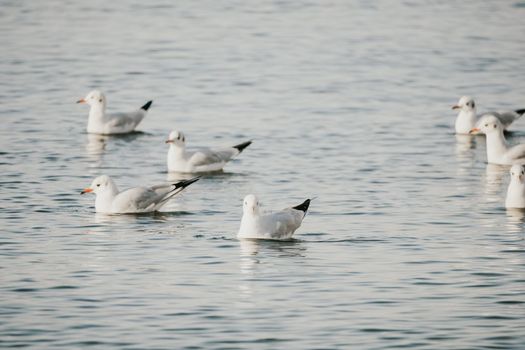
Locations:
176 138
465 103
100 184
487 125
94 98
250 205
517 172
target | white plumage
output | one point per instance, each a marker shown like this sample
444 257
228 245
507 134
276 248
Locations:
467 118
100 122
205 160
498 150
279 225
134 200
516 190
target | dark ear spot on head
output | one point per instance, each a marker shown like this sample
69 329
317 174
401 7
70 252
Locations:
99 100
495 126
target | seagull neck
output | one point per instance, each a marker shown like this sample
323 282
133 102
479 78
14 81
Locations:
97 111
177 150
496 145
105 199
465 121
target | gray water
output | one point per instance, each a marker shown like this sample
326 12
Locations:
407 245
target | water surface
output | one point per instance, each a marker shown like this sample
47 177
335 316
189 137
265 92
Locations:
407 245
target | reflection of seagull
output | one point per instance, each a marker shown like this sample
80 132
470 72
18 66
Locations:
279 225
516 190
119 123
498 151
494 174
468 120
134 200
180 160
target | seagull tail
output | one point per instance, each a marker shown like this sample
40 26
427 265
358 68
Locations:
147 105
520 111
177 188
240 147
185 183
303 206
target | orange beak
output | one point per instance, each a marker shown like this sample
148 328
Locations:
474 131
86 190
456 107
81 101
169 141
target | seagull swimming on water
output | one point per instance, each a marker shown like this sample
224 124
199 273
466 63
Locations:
279 225
498 150
206 160
100 122
467 118
135 200
516 190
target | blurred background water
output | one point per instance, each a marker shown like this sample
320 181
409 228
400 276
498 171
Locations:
407 245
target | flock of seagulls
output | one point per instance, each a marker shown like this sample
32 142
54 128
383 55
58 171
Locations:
281 224
494 125
255 224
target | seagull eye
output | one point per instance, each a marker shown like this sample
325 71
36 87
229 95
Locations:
100 100
98 185
486 125
495 126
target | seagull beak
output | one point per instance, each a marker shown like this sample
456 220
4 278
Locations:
456 107
86 190
169 141
81 101
474 131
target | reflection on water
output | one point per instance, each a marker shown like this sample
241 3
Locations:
515 220
465 146
345 113
494 179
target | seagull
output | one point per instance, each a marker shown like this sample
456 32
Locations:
467 118
498 151
206 160
516 190
119 123
280 225
134 200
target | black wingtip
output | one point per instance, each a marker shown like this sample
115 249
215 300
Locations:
147 105
303 206
242 146
186 183
520 111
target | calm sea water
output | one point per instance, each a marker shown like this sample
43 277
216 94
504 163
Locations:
407 245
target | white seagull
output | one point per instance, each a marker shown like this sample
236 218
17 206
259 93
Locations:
467 118
206 160
280 225
134 200
498 151
516 190
100 122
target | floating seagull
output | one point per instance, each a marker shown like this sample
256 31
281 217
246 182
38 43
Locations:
179 160
467 118
134 200
119 123
516 190
498 151
279 225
